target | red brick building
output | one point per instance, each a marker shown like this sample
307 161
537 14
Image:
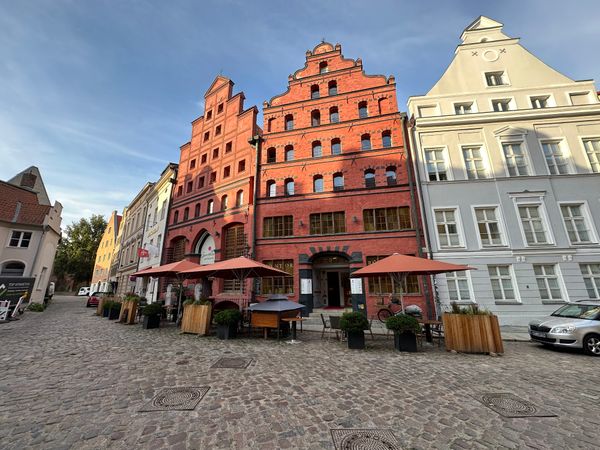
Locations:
334 192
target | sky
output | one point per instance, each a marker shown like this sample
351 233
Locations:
100 94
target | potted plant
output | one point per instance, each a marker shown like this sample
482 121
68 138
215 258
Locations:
227 323
114 310
354 324
152 313
196 316
129 308
405 330
106 306
471 329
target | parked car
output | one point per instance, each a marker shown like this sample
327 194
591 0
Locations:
574 325
95 297
84 291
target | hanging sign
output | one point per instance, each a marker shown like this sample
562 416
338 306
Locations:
356 286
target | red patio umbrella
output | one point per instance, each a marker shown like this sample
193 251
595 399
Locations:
238 268
401 266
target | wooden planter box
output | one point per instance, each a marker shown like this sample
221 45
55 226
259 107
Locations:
128 312
196 319
100 306
472 333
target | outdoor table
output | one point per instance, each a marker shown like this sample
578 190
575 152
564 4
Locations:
294 321
427 325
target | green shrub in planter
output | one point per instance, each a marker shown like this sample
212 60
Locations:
114 310
355 324
227 323
152 313
36 307
405 330
132 298
106 307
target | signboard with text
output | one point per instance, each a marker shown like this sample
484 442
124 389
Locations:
11 288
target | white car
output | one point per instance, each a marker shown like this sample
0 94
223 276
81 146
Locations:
84 291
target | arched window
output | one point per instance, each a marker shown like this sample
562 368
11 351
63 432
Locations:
186 214
270 124
336 146
334 115
289 152
318 183
314 91
365 142
271 155
315 118
210 207
390 175
239 198
338 181
332 87
197 210
363 111
224 203
289 186
271 188
386 138
369 178
323 67
13 269
289 122
176 217
317 150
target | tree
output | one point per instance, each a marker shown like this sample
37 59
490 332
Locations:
76 252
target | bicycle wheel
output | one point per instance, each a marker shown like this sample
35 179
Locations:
383 314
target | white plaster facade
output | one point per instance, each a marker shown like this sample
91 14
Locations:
507 152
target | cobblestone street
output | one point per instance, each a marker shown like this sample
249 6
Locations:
73 380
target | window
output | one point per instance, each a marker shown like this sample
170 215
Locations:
13 269
210 207
213 178
540 102
463 108
163 210
200 182
336 146
547 280
334 116
387 219
386 285
436 164
332 87
328 223
591 278
314 91
458 286
235 244
289 122
576 223
370 178
502 104
242 165
271 188
218 130
474 163
271 155
365 142
592 148
215 153
224 202
270 124
315 118
197 210
186 214
317 150
318 183
323 67
386 139
495 79
515 159
289 186
363 110
228 147
189 187
279 285
279 226
579 98
555 159
502 283
488 226
179 192
338 181
226 171
20 239
239 198
176 217
206 136
203 158
447 228
220 108
289 152
380 104
533 225
209 115
193 164
390 175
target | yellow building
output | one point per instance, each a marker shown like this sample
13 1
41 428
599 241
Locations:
104 255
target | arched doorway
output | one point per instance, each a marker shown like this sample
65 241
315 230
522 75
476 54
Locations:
205 248
13 269
331 280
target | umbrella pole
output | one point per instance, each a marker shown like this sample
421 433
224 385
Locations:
178 321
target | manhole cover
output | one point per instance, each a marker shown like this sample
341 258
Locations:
176 399
232 363
349 439
509 405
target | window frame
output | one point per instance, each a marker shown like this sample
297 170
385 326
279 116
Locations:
550 103
314 186
510 101
528 202
457 107
459 227
499 220
503 77
445 156
566 154
485 160
595 279
334 222
526 155
560 281
514 284
453 276
20 239
583 140
587 217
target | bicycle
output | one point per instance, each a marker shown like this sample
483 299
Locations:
387 311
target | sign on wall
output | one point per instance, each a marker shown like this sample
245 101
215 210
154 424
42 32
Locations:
306 286
11 288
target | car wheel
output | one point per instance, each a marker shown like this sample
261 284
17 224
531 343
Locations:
591 344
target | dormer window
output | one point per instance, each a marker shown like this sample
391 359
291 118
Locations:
540 102
495 79
323 67
463 108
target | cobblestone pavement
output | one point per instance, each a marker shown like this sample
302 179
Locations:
69 379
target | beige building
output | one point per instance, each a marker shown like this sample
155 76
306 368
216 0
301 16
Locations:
104 255
507 151
29 230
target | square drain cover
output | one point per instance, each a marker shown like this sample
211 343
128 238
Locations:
509 405
176 399
232 363
350 439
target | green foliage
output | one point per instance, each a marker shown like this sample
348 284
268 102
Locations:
403 323
228 317
153 309
131 297
188 301
107 304
36 307
76 252
470 310
202 301
115 306
354 322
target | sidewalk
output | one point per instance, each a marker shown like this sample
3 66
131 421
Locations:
516 334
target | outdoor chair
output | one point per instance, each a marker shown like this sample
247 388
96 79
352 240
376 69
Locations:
4 309
335 323
326 327
370 330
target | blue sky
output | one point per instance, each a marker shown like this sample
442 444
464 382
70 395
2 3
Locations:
100 94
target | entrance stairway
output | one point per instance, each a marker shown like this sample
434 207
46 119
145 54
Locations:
313 321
